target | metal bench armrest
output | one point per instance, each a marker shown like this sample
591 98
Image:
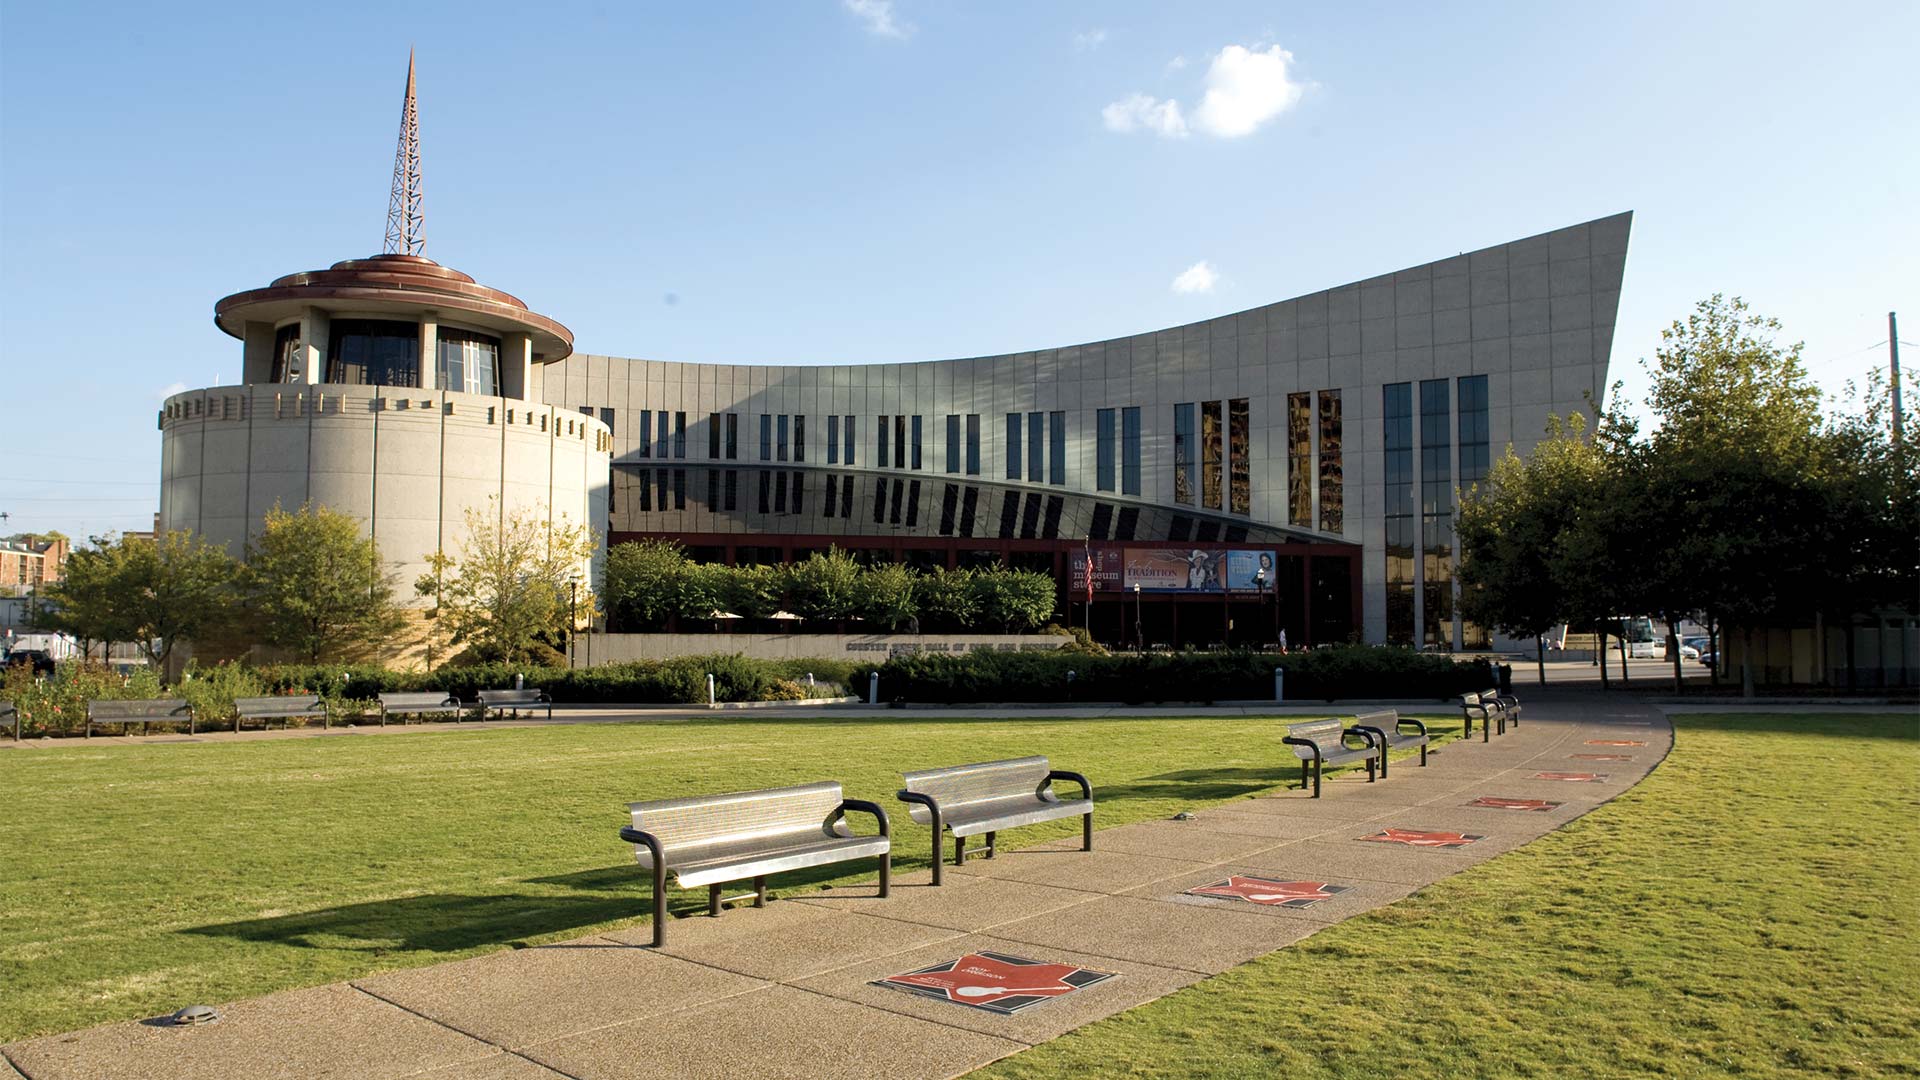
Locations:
1418 725
1290 740
920 799
865 807
1373 739
1086 789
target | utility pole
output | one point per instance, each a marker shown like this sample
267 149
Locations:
1893 354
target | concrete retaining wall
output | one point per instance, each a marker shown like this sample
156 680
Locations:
593 650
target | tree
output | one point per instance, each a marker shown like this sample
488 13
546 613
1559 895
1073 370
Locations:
513 584
948 597
887 595
315 586
155 593
752 592
1015 599
645 584
826 586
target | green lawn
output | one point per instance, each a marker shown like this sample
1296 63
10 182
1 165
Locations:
1751 909
138 878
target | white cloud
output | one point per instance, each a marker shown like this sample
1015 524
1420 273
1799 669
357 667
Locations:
1089 40
1138 112
171 389
1198 278
1245 89
878 15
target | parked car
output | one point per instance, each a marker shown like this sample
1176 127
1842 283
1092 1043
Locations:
1687 652
38 659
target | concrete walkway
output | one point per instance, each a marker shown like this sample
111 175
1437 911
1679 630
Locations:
788 991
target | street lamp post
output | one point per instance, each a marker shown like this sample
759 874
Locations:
1139 639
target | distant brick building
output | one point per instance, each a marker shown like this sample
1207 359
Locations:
28 563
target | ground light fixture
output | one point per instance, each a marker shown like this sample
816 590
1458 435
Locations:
195 1014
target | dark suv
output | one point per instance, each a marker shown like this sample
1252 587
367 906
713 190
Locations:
38 659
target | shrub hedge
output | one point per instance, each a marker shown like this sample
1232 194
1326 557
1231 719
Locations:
1324 674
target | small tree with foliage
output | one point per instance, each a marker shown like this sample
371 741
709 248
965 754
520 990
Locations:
1015 599
948 598
317 587
511 586
155 593
644 584
887 595
827 586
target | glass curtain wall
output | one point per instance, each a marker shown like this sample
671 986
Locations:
973 444
1103 445
1397 412
1436 512
1130 450
1332 473
371 352
1475 459
468 362
1300 460
1183 456
1239 472
1210 454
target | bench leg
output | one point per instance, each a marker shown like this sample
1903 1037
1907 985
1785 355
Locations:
959 851
1305 770
659 904
939 864
1383 767
1423 755
886 873
713 899
1316 777
1486 728
760 891
1086 831
991 847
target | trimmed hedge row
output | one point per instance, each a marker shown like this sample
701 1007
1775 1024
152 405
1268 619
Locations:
1324 674
679 681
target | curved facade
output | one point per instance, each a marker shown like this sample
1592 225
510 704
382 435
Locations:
1331 430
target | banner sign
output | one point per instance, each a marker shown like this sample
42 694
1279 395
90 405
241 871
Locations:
1287 894
1175 570
996 982
1426 838
1495 802
1107 566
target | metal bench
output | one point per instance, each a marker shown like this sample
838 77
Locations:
129 713
501 701
285 708
968 800
1488 706
1389 732
10 716
1320 743
434 703
713 839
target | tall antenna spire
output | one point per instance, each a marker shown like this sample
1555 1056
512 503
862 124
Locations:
405 217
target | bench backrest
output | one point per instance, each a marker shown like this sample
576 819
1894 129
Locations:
8 715
1326 734
511 697
985 781
1387 720
279 705
403 702
150 709
6 708
700 820
1472 701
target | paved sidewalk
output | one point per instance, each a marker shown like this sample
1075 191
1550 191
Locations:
788 991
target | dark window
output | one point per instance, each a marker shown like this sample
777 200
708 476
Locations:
1013 446
713 489
646 490
784 427
973 444
665 486
880 496
1129 523
666 438
1030 517
799 492
913 504
1010 509
766 490
373 352
799 438
969 508
953 443
1036 446
1300 460
880 443
1206 532
780 493
1210 454
949 501
832 484
1104 450
1180 529
846 439
606 417
766 436
1474 458
679 489
646 433
846 496
286 361
680 435
733 438
1436 510
916 442
833 439
1235 534
897 500
899 442
1183 456
1397 418
1050 529
733 489
1102 521
1056 448
1332 476
713 436
1130 450
1239 475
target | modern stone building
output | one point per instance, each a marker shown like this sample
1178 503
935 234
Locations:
1324 436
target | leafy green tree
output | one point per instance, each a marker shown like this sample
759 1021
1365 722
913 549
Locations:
887 595
645 584
753 592
513 584
827 586
948 598
314 585
1015 599
155 593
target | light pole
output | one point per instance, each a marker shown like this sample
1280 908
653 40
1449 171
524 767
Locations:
1260 585
573 615
1139 639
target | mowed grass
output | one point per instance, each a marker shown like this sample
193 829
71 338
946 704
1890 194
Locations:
1751 909
138 878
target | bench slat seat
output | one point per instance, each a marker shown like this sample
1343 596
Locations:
142 711
10 716
428 703
1491 708
711 839
503 701
283 707
1389 729
1320 743
987 796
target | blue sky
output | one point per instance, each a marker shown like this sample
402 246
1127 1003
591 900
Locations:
835 181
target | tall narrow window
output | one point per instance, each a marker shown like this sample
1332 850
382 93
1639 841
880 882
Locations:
733 442
665 441
1036 446
467 361
916 441
799 438
1104 438
1210 454
1474 454
766 436
286 352
713 436
733 489
833 439
1436 511
899 442
973 444
880 445
1183 456
606 417
783 426
1056 448
1013 446
953 443
1130 450
1397 413
1300 460
679 434
846 440
1239 473
646 433
833 487
1332 478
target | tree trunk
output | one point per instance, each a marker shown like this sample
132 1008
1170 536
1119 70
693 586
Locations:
1713 646
1853 667
1625 655
1601 638
1673 649
1746 661
1540 657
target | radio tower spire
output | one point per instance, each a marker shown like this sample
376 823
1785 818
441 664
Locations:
405 218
